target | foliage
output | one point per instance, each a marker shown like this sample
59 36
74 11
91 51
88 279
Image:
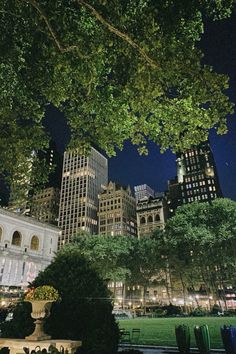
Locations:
145 261
202 246
22 324
121 258
85 310
117 69
199 312
44 292
215 309
108 254
160 312
172 310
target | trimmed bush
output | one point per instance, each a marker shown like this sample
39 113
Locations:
85 310
199 312
172 310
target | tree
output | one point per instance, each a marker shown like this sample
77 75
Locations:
107 254
85 310
117 69
201 243
129 260
146 263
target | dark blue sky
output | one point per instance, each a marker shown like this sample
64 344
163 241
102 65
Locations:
219 46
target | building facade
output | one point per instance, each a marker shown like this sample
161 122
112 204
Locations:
117 214
143 191
45 205
151 214
27 246
83 178
197 178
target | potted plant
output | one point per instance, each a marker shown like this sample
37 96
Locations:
41 299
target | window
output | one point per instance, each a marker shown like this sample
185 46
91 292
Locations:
34 245
157 217
150 219
16 238
142 220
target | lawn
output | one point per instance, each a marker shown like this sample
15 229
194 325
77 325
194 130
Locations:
161 331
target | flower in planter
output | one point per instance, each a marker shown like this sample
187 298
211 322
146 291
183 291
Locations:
45 292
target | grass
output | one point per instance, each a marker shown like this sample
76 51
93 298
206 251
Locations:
161 331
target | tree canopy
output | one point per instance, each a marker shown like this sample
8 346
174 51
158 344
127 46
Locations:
117 69
200 242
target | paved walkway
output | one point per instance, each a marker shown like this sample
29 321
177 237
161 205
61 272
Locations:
146 350
162 350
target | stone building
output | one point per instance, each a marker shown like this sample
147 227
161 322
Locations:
27 246
151 214
117 215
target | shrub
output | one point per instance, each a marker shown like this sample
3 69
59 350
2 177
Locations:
215 309
160 312
230 312
199 312
172 310
85 310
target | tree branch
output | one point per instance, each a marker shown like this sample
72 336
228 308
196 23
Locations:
118 33
62 48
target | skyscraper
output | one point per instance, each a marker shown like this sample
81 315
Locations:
143 190
83 178
45 205
197 178
117 214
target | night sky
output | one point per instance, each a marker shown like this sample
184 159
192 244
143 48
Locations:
219 46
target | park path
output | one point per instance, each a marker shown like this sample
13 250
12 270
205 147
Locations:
162 350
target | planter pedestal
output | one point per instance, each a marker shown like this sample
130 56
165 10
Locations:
38 333
40 311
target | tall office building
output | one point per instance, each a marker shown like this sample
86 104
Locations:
45 205
83 178
143 190
197 178
117 214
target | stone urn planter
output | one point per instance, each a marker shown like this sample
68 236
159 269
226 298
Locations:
40 311
41 299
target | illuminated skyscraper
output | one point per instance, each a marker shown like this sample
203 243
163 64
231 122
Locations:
117 214
83 178
197 178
